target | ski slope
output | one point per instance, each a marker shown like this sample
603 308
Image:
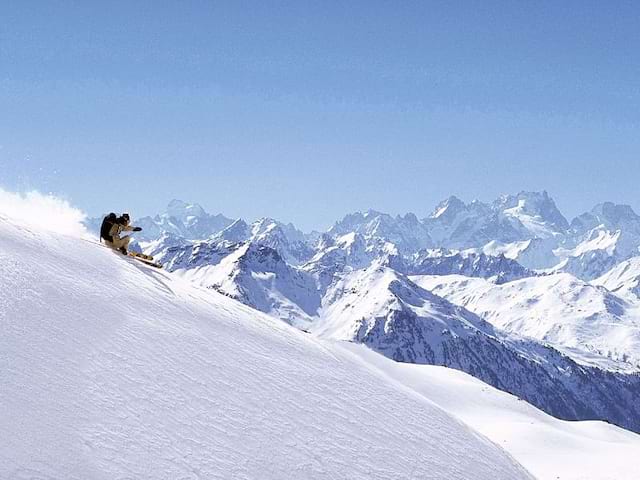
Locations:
549 448
111 369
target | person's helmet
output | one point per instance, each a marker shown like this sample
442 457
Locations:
126 218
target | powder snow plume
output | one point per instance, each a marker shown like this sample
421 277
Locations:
47 212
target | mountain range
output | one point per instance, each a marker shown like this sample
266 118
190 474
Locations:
267 352
526 227
510 291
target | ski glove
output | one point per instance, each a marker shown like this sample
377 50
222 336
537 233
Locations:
137 229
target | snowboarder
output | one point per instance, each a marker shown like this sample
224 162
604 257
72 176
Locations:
111 229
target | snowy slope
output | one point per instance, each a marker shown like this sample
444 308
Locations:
392 315
259 277
534 254
570 450
596 253
110 369
587 322
623 280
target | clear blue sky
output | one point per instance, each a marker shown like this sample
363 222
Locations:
308 110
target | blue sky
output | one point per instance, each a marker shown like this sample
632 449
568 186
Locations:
305 111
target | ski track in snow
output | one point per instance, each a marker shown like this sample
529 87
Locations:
111 369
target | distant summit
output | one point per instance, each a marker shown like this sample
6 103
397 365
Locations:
184 211
537 210
526 227
182 219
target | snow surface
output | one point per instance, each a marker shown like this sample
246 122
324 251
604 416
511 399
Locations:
534 254
623 280
586 322
259 277
549 448
111 369
536 211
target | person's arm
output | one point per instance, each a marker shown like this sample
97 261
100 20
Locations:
131 228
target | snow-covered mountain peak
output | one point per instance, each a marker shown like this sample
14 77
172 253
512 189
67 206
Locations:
183 210
615 214
238 231
186 220
605 240
406 232
601 239
167 241
267 226
535 210
252 254
368 295
608 216
263 225
409 218
257 275
336 255
349 252
510 218
448 209
355 222
285 238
